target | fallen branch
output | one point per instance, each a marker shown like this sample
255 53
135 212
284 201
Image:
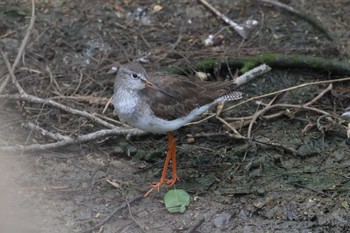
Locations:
304 106
38 100
274 60
270 106
285 90
21 48
239 29
45 133
243 79
67 141
251 74
309 18
195 227
109 217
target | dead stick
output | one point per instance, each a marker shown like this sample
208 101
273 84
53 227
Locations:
195 227
329 88
239 29
255 116
312 20
70 141
12 75
243 79
284 90
38 100
44 132
22 47
119 208
251 74
269 106
320 95
303 107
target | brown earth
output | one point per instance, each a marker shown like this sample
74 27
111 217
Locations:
235 185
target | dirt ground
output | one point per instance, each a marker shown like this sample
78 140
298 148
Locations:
235 185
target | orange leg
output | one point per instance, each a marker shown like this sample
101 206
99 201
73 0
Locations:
170 155
172 144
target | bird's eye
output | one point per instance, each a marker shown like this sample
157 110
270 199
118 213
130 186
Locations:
134 75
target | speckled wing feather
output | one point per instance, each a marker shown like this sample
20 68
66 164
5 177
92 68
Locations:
187 94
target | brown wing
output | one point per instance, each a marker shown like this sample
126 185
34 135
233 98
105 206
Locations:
187 94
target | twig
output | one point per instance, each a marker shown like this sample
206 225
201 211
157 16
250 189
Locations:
280 5
21 48
243 79
270 105
229 126
301 107
313 190
278 146
38 100
12 75
255 116
251 74
70 141
195 227
248 140
304 106
218 111
239 29
132 216
44 132
320 95
286 89
109 217
314 21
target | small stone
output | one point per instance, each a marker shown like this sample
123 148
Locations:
339 155
222 219
202 76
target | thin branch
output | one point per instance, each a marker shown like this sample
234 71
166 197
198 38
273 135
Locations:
44 132
309 18
304 106
320 95
109 217
243 79
255 117
132 216
22 47
67 141
286 89
270 106
251 74
195 227
12 75
38 100
239 29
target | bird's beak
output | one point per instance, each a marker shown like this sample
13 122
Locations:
153 87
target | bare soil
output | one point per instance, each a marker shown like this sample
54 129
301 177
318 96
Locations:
235 185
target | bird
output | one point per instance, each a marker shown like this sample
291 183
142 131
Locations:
160 103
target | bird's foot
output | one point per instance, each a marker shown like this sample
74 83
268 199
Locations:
156 186
168 182
172 181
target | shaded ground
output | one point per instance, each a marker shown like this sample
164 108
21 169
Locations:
234 186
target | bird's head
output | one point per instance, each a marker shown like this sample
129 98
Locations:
133 76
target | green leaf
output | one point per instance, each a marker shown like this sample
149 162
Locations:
176 200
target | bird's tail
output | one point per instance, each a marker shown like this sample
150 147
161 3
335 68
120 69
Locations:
233 95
